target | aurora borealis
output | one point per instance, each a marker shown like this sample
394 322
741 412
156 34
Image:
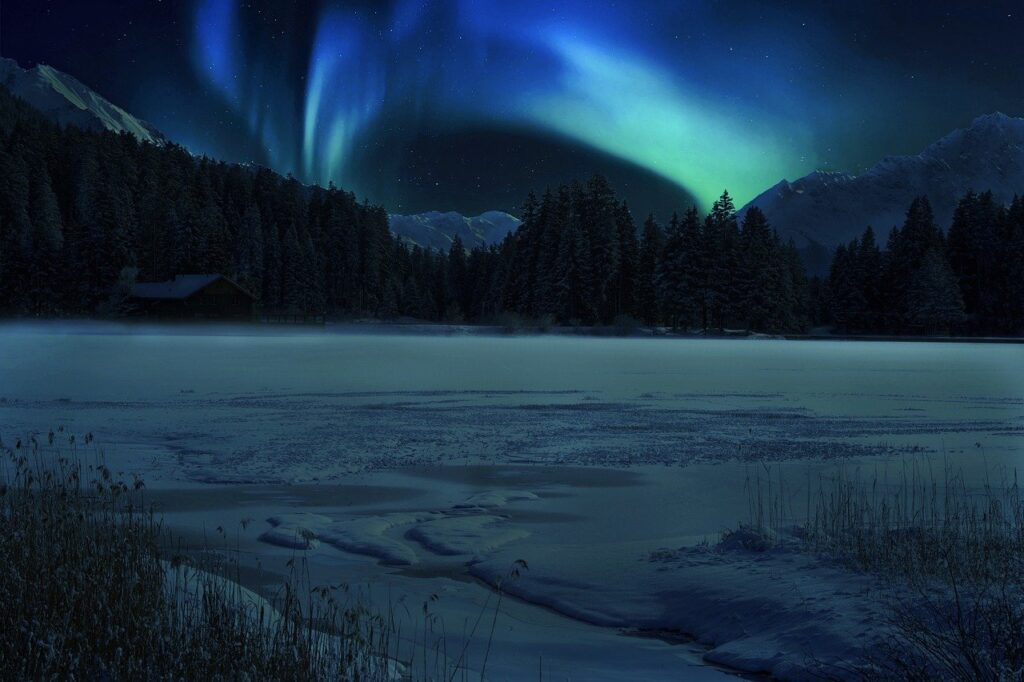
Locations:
469 104
573 73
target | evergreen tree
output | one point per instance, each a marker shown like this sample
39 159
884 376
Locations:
796 291
292 296
1011 287
907 250
973 249
933 298
573 278
629 263
844 296
249 264
43 253
677 269
521 284
595 213
458 303
651 245
868 275
722 254
759 285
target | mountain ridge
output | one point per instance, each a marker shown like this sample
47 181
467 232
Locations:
437 229
819 210
826 208
65 100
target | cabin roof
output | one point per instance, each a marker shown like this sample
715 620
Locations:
181 287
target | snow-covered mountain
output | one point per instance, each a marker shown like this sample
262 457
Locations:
66 101
437 230
824 209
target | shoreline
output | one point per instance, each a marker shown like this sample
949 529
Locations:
366 326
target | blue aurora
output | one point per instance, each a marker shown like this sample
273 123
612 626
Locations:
617 78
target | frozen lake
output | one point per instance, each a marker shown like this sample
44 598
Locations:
430 461
275 408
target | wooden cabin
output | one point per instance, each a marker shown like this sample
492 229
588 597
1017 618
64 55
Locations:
192 297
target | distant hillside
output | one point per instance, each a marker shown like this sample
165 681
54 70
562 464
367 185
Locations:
824 209
66 101
437 230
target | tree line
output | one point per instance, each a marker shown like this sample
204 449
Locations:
578 258
85 214
967 281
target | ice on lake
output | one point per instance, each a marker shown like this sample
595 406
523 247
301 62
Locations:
420 463
279 407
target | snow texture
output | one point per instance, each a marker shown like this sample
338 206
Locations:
779 611
468 528
66 101
601 462
296 530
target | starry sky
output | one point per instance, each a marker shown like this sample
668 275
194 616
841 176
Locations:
469 104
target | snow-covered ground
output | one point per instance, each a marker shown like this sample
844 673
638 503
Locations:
426 465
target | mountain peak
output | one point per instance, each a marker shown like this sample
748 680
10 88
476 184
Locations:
66 101
833 208
436 230
995 118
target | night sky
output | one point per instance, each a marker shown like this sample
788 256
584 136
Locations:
469 104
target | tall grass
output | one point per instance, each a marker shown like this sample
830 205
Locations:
88 593
951 556
923 525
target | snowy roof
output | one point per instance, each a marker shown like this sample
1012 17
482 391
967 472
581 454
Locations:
182 286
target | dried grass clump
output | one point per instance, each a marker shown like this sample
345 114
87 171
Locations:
86 592
956 558
950 555
920 526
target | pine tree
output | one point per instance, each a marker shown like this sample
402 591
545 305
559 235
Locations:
249 264
457 304
292 275
651 245
1011 288
15 232
629 256
312 281
868 274
796 290
595 212
522 287
16 237
973 249
721 238
933 297
758 293
680 277
843 292
152 241
572 281
44 250
907 250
